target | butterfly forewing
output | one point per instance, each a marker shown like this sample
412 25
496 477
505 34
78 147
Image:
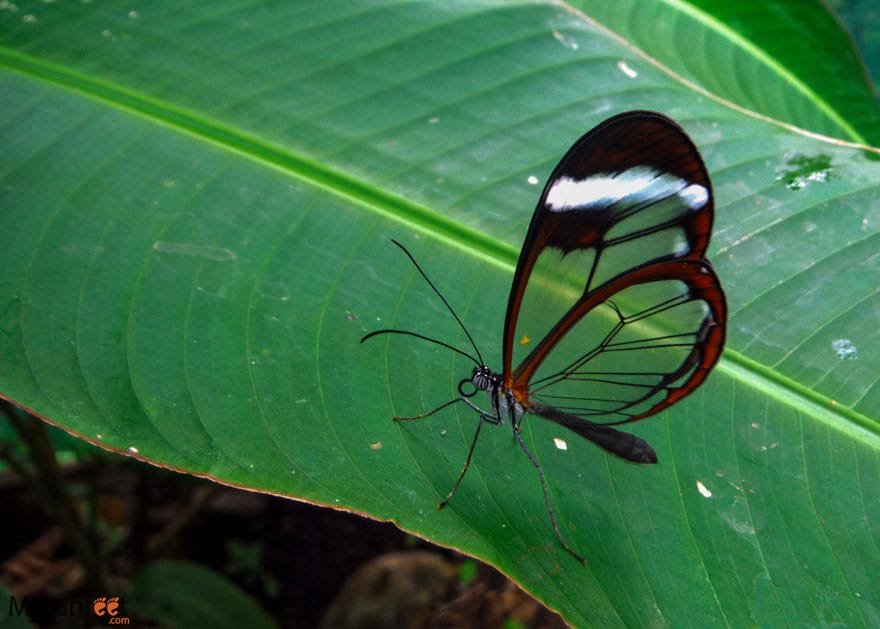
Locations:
614 314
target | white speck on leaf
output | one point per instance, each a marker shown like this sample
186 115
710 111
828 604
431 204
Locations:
704 491
568 42
624 67
845 349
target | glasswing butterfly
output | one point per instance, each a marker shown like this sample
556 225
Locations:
617 244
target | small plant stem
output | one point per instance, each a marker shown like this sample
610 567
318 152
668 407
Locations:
50 482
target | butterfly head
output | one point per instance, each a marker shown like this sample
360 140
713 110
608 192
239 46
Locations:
483 379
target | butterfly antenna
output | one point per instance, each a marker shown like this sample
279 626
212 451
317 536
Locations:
445 303
424 338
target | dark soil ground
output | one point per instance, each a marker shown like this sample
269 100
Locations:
307 566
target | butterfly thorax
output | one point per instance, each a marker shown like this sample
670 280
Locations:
504 403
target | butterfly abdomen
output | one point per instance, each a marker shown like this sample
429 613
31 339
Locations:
617 442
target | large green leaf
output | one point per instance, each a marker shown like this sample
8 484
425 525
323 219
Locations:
197 201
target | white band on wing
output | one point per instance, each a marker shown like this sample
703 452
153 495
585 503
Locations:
636 186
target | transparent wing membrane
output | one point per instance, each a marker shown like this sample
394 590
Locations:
614 312
623 357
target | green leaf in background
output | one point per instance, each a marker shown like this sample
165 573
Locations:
774 57
862 20
185 594
197 201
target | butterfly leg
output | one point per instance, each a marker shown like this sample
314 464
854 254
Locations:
399 418
568 549
464 468
483 414
484 417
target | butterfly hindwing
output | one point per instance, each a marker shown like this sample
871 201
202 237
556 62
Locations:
654 334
